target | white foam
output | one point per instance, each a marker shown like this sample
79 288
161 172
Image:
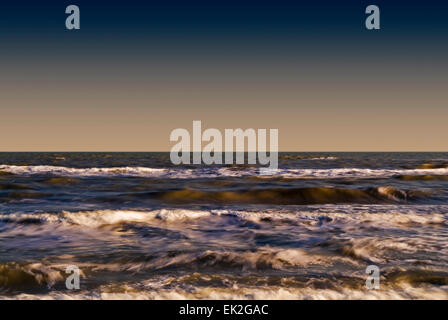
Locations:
87 172
214 172
358 172
99 218
131 292
378 215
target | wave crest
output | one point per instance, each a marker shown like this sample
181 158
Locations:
214 172
292 196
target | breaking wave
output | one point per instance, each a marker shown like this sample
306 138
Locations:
246 273
379 215
214 172
292 196
29 275
170 288
99 218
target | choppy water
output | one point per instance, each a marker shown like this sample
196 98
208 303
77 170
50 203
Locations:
139 227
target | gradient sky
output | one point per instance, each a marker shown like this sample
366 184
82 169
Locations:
135 71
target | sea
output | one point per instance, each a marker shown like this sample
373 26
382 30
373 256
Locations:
138 227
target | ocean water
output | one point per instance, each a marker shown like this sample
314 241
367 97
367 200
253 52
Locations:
140 228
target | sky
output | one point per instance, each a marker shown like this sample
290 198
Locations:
137 70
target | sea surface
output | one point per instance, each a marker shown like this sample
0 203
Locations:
139 227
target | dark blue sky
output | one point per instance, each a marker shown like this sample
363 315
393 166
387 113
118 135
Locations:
224 18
